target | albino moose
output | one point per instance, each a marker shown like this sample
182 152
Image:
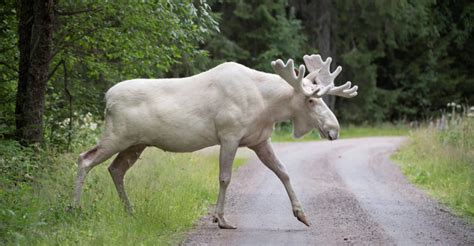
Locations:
230 105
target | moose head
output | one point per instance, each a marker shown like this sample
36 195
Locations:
319 82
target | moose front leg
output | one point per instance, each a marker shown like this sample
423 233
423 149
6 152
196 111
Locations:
265 153
226 158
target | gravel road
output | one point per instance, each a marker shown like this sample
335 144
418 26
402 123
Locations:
351 192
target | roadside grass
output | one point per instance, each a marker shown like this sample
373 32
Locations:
442 163
350 131
169 192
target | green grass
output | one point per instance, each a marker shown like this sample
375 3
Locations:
442 163
351 131
169 192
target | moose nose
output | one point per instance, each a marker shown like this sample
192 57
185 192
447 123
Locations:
333 135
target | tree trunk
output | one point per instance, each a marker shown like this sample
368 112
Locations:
316 17
324 38
35 43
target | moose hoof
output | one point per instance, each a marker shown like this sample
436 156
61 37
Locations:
222 223
225 225
301 217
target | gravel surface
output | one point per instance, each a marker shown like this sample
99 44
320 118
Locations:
351 192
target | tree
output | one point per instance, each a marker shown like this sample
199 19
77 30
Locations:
256 33
103 43
97 44
408 57
35 42
316 17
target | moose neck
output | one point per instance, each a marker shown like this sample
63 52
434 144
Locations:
282 100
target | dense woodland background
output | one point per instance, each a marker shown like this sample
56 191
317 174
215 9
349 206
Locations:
409 58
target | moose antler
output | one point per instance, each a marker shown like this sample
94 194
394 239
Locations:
320 80
287 72
320 73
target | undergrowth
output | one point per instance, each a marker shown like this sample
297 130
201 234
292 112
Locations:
169 193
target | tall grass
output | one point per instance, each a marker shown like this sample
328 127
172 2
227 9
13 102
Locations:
169 192
442 162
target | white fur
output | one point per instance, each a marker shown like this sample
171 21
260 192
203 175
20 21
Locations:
230 105
228 101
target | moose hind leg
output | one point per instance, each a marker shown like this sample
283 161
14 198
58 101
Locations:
85 163
119 167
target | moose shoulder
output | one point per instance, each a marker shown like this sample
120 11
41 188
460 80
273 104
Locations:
230 105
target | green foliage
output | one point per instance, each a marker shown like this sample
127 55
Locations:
118 41
134 40
102 43
442 163
169 192
8 66
409 57
143 44
17 163
23 166
256 33
73 133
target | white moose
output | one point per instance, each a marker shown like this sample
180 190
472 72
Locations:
230 105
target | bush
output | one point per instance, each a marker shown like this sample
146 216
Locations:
32 180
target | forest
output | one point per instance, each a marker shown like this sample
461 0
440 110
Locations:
410 60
